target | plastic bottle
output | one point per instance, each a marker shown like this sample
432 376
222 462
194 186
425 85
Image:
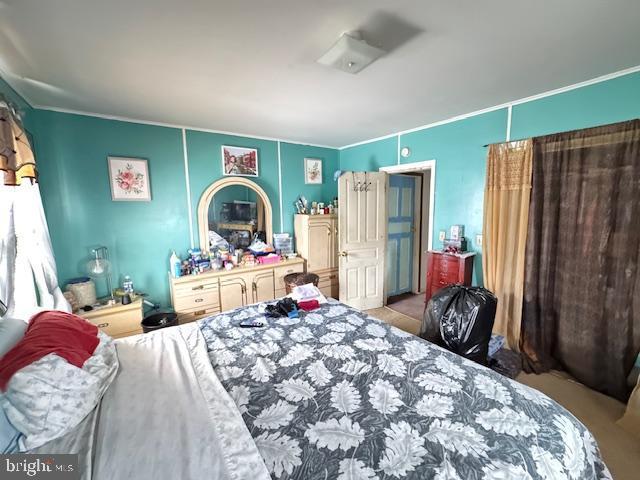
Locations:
127 284
175 265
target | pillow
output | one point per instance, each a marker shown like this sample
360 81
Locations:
67 335
50 396
11 332
8 435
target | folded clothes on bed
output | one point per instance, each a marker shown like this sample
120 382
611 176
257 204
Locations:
309 305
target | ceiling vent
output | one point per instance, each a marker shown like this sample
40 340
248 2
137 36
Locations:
350 53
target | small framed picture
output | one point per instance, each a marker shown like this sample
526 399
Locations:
129 178
312 170
240 161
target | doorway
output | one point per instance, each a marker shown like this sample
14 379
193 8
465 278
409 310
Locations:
401 226
406 257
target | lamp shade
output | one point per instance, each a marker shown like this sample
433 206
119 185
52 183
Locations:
98 267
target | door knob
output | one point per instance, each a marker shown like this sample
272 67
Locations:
343 254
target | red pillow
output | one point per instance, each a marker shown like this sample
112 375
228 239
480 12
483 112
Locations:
65 334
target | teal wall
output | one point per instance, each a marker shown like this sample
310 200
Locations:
612 101
458 147
292 156
370 156
74 180
72 155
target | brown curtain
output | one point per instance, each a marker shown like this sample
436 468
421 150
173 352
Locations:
16 156
582 282
506 214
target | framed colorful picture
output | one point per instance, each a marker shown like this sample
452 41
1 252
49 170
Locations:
240 161
129 178
312 170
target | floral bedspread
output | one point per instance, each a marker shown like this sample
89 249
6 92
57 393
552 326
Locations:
337 394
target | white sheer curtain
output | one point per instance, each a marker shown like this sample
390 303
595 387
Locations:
28 279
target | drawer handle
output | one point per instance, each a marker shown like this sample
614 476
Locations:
103 325
198 300
199 312
199 287
332 276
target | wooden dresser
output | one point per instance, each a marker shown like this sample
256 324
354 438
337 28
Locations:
117 320
198 296
445 269
317 242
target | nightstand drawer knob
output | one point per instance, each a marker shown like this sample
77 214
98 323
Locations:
198 300
103 325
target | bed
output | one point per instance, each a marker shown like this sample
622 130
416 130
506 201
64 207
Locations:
334 394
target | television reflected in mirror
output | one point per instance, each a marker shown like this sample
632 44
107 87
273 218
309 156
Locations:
236 214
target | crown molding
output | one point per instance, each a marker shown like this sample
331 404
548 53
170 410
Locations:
549 93
176 126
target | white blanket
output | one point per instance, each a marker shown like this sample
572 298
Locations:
166 415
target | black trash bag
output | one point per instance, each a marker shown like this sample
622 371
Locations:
461 319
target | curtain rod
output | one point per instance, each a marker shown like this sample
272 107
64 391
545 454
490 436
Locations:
508 141
565 131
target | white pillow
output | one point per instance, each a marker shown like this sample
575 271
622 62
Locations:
11 332
49 397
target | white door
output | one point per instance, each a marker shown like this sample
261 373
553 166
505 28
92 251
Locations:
362 226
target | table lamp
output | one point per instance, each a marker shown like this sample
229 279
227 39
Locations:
100 266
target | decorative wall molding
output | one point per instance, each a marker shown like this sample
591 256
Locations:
507 105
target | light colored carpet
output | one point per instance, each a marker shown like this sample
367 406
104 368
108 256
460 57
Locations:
599 413
396 319
409 304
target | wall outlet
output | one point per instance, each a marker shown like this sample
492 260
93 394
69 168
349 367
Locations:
479 240
442 235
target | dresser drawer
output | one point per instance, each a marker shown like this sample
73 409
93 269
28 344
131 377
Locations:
446 276
193 288
117 320
199 300
328 276
328 283
448 269
119 324
447 263
280 273
197 315
440 282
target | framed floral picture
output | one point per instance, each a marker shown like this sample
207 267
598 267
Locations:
312 170
129 178
240 161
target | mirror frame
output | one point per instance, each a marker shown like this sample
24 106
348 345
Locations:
207 196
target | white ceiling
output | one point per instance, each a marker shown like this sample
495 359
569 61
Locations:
248 66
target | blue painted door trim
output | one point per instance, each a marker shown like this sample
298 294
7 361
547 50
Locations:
394 240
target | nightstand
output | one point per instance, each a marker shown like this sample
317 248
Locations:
444 269
117 320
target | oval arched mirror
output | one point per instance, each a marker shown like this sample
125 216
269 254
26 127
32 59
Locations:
233 210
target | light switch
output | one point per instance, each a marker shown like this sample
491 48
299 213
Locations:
479 240
442 235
